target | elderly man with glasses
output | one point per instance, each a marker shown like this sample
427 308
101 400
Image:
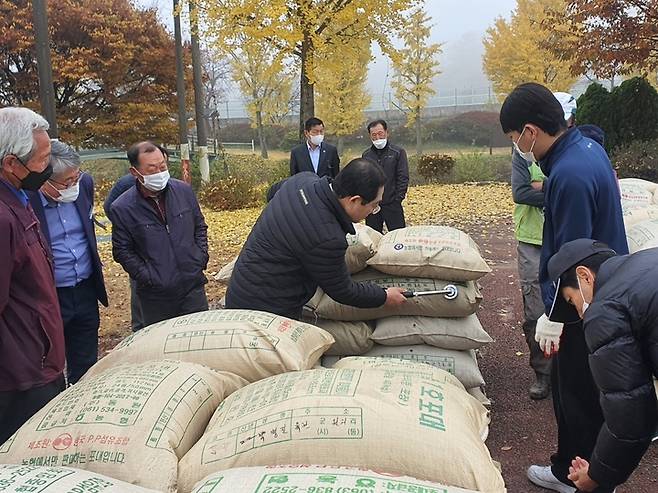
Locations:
65 207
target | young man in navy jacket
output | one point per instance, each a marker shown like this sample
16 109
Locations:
581 200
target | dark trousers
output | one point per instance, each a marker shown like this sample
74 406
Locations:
533 305
79 306
136 317
157 309
16 407
392 214
575 402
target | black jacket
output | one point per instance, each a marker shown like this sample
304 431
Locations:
300 160
84 204
166 260
621 330
393 160
298 244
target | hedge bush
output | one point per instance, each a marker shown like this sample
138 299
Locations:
436 167
638 159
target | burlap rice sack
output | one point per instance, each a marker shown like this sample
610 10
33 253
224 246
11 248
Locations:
226 272
637 193
638 215
423 370
462 364
249 343
465 304
352 338
448 333
318 479
361 247
394 422
437 252
36 479
642 236
132 422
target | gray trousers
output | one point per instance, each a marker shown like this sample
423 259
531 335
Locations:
533 305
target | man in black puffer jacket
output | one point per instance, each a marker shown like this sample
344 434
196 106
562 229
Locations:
617 296
298 244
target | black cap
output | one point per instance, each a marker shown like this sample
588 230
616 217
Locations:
569 255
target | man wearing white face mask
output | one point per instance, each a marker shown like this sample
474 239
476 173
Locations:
581 200
615 296
315 154
159 237
64 206
392 160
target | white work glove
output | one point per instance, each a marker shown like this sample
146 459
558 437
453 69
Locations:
547 334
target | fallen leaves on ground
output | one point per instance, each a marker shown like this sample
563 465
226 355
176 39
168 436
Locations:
472 207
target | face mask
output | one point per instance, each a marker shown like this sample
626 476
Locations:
379 143
316 140
155 182
528 156
33 181
69 194
585 304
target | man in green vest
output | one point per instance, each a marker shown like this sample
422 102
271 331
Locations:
527 191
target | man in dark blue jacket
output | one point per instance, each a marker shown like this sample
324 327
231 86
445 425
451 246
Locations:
159 237
581 200
65 208
298 244
615 295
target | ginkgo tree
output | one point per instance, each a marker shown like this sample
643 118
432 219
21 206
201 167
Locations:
265 82
342 93
302 28
416 66
515 51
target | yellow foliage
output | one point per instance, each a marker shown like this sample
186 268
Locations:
305 28
342 96
415 66
259 70
515 52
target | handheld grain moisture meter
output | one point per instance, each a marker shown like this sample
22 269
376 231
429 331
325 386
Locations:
449 292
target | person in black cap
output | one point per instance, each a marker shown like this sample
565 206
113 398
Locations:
617 297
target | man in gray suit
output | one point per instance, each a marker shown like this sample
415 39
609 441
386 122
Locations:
314 155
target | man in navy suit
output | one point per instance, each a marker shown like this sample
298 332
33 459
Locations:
314 155
65 206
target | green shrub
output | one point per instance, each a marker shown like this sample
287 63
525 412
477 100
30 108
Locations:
627 114
436 167
473 167
637 160
227 194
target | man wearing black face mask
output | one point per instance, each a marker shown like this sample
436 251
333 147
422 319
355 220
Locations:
32 347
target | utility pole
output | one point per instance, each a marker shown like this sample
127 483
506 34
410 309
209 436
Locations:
201 132
46 88
180 92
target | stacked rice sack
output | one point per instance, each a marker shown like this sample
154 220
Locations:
639 200
431 329
141 408
411 422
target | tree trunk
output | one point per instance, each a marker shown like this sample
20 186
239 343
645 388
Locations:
261 135
419 136
306 90
340 145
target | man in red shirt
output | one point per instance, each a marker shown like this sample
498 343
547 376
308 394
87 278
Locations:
32 348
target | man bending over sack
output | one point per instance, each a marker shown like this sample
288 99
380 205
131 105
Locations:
616 298
298 244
